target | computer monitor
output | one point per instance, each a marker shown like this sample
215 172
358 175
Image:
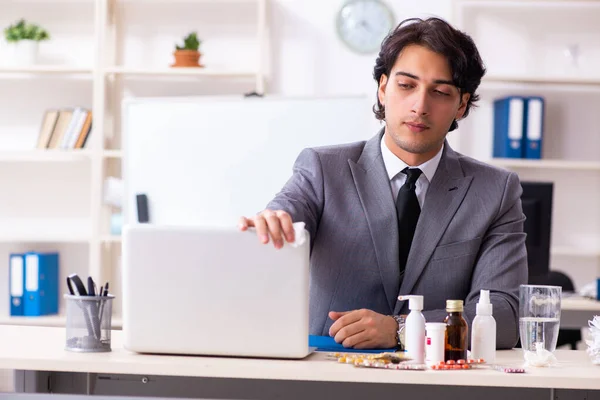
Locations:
537 207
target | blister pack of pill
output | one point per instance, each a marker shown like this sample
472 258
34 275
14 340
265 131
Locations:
457 365
385 358
403 366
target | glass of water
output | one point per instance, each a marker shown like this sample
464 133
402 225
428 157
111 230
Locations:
539 316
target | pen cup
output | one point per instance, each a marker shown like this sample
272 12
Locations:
88 324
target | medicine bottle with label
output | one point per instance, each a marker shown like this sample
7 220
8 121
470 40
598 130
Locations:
457 331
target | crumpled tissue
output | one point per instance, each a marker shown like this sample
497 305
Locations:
300 234
540 357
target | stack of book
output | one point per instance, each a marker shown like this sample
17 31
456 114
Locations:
65 129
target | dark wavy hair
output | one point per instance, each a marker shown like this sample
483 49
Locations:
439 36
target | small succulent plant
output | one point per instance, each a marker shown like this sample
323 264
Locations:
23 30
190 42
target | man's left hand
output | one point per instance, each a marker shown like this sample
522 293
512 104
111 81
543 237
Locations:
362 329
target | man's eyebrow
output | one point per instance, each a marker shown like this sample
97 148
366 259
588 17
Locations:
436 81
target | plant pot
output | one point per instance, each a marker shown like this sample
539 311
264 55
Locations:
24 52
187 58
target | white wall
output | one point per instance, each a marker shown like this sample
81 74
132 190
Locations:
308 58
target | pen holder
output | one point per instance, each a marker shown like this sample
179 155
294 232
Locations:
88 324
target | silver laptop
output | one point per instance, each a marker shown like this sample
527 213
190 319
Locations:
213 291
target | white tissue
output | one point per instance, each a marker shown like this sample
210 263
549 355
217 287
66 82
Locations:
540 357
299 234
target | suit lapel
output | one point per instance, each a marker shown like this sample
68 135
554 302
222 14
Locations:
444 196
374 191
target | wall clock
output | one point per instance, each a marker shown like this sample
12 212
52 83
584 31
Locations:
363 24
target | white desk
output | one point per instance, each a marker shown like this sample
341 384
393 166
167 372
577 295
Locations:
577 311
42 349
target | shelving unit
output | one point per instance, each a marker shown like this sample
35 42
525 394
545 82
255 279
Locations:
560 62
100 52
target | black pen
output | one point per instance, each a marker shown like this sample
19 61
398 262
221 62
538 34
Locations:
103 302
91 287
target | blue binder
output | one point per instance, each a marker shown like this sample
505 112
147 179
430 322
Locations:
41 284
16 282
534 130
509 125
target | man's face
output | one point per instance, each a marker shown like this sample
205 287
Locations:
420 103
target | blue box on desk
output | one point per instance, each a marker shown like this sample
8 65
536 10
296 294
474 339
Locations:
41 284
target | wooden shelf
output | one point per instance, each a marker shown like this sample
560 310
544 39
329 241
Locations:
44 155
50 320
45 69
558 80
34 237
141 2
516 84
90 2
170 72
552 5
545 164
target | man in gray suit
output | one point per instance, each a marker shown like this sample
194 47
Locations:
365 203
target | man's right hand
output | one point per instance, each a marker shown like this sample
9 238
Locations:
274 224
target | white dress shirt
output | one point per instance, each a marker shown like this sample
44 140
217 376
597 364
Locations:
394 167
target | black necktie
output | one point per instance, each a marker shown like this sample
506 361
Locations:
408 209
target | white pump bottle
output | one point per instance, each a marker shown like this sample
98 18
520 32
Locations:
483 336
415 329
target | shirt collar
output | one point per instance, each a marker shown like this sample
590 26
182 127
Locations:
394 165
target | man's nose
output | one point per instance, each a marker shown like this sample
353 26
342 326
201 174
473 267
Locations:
421 103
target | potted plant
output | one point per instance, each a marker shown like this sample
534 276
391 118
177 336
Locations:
25 38
188 54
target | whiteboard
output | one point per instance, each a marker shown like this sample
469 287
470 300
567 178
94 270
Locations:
206 161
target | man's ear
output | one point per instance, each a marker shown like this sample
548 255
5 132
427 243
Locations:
381 91
463 105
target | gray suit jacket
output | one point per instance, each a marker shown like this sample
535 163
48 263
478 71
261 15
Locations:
469 236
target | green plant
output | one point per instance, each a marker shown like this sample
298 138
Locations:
23 30
190 42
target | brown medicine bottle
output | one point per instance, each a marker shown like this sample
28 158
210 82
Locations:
457 331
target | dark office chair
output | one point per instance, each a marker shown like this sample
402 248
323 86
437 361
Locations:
556 278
